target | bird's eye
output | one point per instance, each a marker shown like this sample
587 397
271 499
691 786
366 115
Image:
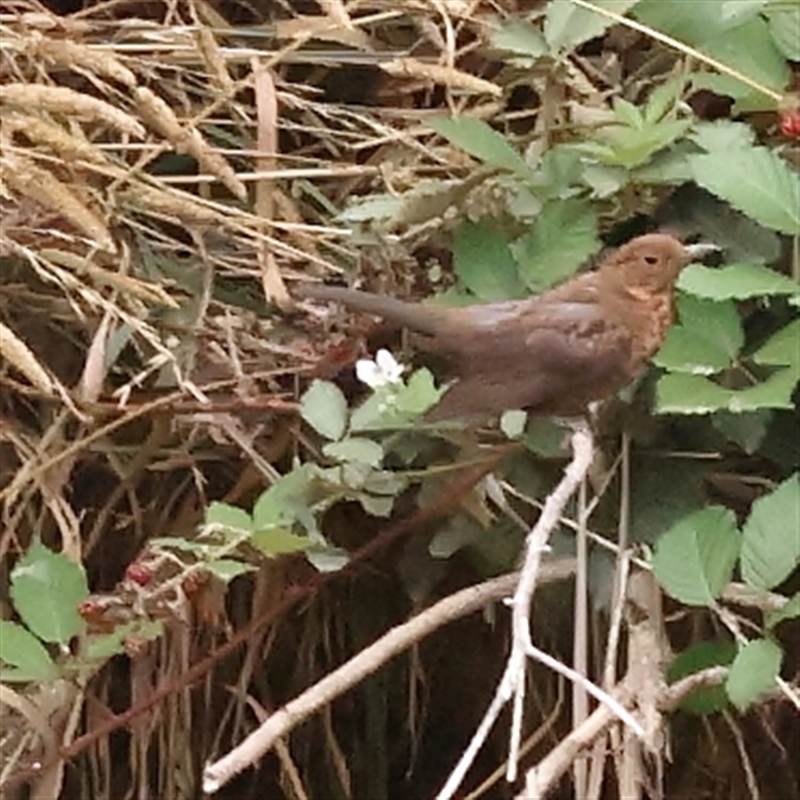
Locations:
650 260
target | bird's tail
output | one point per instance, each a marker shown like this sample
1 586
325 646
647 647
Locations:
410 315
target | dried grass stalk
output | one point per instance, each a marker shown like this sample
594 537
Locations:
66 53
185 139
25 177
54 137
71 104
21 357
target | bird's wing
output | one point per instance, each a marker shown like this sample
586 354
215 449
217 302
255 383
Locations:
570 355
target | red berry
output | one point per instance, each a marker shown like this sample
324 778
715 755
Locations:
138 573
790 123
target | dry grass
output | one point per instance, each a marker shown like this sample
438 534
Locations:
167 171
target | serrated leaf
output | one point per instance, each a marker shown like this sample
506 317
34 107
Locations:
791 610
562 237
483 262
734 282
705 341
226 569
566 25
771 536
519 37
228 516
782 348
324 408
696 658
775 392
722 134
364 451
754 671
757 181
480 140
628 113
630 147
23 657
46 589
679 393
694 560
751 49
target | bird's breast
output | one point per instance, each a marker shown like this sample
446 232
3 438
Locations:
648 318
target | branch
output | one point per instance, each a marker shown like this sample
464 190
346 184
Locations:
512 684
391 644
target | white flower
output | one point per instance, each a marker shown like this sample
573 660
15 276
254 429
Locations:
383 371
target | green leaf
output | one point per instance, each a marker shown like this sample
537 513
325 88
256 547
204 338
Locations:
628 114
279 541
734 282
228 516
678 393
771 543
519 37
722 134
566 25
47 589
665 491
696 658
23 658
376 505
754 671
484 264
328 559
395 406
631 147
286 501
324 408
751 49
706 340
512 423
775 392
480 140
694 560
746 430
791 610
355 449
784 23
783 348
226 569
757 181
563 236
696 22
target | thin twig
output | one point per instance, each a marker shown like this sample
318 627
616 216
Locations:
366 662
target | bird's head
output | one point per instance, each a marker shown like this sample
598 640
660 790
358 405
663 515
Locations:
653 262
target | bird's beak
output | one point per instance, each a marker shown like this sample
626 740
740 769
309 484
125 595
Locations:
696 252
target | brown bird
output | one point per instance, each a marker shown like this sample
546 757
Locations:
554 353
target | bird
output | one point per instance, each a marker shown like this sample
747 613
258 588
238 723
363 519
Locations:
552 354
